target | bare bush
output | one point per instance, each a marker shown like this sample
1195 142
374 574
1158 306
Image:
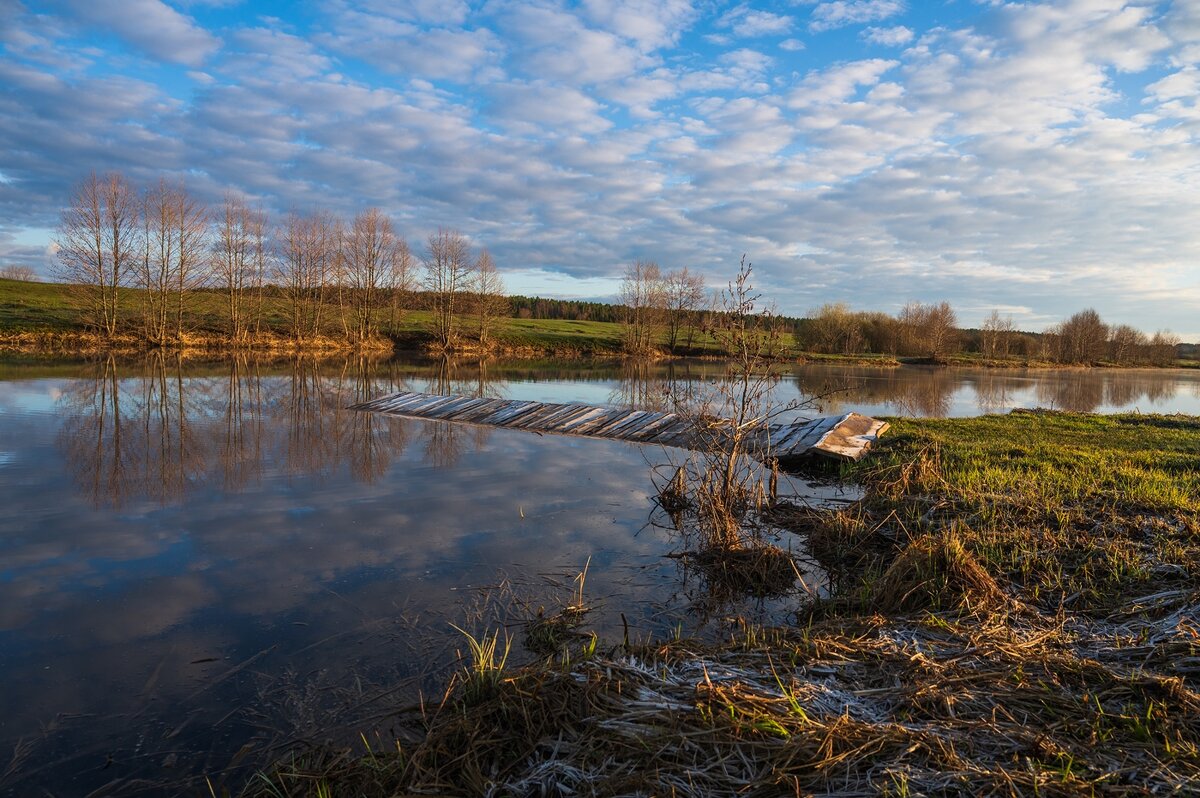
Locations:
17 272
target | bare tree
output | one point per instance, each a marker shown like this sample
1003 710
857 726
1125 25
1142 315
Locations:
239 262
307 262
98 243
1083 338
1164 348
837 330
683 297
931 330
447 274
488 295
25 273
172 263
370 254
996 332
642 294
401 282
1126 345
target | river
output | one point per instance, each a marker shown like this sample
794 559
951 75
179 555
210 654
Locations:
204 562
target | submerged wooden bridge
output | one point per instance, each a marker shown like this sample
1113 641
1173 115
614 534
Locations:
846 437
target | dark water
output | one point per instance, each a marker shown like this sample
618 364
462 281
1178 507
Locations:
201 563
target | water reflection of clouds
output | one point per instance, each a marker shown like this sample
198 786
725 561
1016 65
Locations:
187 539
153 523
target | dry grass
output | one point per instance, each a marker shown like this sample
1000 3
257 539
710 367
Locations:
939 705
1014 612
936 572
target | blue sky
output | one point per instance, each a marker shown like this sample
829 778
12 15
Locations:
1035 157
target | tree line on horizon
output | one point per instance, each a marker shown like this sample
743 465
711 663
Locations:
328 275
356 279
931 331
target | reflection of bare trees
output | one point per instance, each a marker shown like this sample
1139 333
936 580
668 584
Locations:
156 429
994 392
931 391
1079 392
445 442
132 436
91 436
645 386
911 391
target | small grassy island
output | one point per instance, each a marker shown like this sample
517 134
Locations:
1013 611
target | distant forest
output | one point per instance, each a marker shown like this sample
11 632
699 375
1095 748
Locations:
834 329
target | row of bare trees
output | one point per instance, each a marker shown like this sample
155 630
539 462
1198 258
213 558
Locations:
931 331
659 304
919 330
1086 339
313 272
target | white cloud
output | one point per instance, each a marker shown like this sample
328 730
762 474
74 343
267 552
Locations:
650 23
151 26
840 13
746 22
889 37
791 45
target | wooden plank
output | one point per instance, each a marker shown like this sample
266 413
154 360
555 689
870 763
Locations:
848 436
599 422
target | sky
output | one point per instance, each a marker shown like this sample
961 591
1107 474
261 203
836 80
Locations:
1037 158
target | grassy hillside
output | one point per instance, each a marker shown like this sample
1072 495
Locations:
49 308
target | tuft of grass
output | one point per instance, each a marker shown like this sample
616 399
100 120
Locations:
936 572
484 670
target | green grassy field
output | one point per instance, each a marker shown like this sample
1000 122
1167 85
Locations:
27 307
46 309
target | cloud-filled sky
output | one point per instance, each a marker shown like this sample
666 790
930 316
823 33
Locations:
1034 157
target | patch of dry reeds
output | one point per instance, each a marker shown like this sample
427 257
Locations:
938 705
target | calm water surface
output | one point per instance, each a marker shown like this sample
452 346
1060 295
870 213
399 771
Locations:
201 563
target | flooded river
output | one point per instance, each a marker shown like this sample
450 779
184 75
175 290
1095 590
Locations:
204 562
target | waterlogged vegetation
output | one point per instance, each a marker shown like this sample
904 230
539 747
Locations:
1011 611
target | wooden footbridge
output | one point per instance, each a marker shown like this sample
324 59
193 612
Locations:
847 437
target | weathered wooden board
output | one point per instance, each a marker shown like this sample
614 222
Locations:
846 437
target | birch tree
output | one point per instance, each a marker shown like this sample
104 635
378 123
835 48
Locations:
239 263
642 296
97 242
370 256
307 261
446 276
683 297
488 295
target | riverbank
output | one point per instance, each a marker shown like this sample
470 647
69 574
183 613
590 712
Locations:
1012 612
40 318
